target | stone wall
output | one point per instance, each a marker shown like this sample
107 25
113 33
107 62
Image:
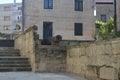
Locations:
25 42
96 61
50 59
42 58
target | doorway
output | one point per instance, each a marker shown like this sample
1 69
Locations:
47 30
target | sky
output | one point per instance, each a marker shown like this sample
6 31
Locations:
8 1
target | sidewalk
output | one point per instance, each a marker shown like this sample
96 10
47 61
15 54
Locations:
36 76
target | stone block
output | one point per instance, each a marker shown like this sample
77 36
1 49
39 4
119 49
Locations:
83 60
108 73
98 50
95 50
100 60
108 49
116 48
89 51
41 67
82 51
91 75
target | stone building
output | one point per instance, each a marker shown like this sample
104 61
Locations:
104 9
72 19
118 13
10 16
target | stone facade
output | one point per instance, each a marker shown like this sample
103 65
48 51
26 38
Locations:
63 17
118 13
10 15
104 9
96 61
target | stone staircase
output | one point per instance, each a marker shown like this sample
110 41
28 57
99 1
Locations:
10 60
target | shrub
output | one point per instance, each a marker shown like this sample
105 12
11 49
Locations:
106 29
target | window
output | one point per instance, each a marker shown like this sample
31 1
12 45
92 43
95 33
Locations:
6 27
19 8
103 18
19 18
78 5
7 8
48 4
78 29
6 18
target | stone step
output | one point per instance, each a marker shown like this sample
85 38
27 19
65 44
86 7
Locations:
9 51
13 69
14 61
13 54
7 48
10 60
13 58
15 65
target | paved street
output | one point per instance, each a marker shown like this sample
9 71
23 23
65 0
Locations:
36 76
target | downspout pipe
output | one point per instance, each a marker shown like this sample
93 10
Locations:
115 16
23 17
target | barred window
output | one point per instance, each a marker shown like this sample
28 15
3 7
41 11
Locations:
6 18
78 5
48 4
78 29
103 18
7 8
6 27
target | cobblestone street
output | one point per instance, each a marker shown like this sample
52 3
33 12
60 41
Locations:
36 76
